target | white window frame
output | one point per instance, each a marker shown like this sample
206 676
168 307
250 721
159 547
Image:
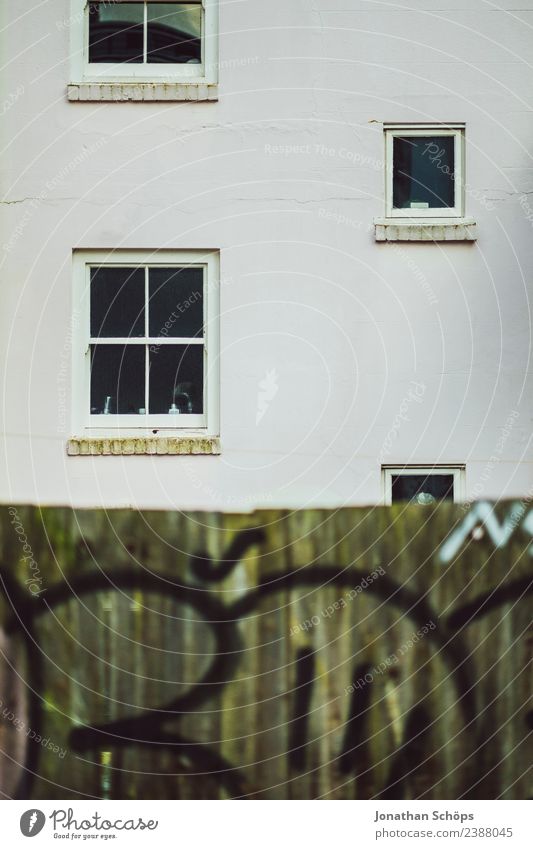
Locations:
458 472
82 71
415 130
83 422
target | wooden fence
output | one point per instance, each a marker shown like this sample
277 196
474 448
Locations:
318 654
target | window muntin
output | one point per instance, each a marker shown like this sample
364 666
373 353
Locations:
424 172
141 348
423 486
147 41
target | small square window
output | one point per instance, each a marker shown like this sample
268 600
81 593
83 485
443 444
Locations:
141 357
144 42
424 171
422 485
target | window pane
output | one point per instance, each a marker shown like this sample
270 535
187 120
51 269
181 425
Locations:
176 379
117 302
117 379
174 33
176 306
116 32
422 489
423 175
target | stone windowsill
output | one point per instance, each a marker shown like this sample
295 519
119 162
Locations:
139 91
425 229
98 446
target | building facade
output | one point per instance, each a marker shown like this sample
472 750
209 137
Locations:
266 255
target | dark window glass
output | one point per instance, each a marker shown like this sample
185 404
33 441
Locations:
176 379
117 379
116 32
176 306
423 172
117 302
422 489
174 33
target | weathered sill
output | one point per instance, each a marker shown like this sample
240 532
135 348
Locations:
139 92
425 230
163 445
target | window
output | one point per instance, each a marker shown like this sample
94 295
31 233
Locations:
423 485
145 356
142 43
424 185
424 171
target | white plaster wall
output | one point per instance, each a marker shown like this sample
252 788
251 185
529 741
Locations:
347 324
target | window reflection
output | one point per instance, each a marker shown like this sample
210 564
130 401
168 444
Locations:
116 32
117 379
174 33
422 489
423 172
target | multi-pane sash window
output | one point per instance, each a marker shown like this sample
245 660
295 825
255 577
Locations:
144 41
424 171
145 358
423 486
